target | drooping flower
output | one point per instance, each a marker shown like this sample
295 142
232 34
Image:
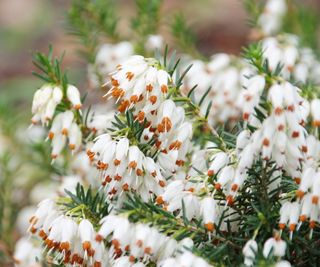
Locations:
249 251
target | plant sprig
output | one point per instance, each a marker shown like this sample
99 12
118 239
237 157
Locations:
85 204
50 69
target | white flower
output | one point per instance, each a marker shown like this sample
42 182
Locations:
220 160
306 208
44 103
57 94
275 247
121 150
270 20
57 145
209 213
87 235
306 181
224 176
243 139
73 95
249 251
68 231
26 253
276 96
284 214
154 42
315 111
44 208
75 137
294 216
66 122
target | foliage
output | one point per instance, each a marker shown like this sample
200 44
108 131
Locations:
85 204
89 21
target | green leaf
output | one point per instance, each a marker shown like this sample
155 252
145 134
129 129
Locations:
204 96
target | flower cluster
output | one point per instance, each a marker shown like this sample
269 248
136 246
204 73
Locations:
297 62
306 208
138 82
76 242
270 21
141 87
26 252
124 167
135 242
108 56
172 134
280 137
69 242
64 128
273 247
44 103
169 182
48 97
223 76
206 209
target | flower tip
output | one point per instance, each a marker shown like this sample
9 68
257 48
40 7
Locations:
50 135
78 106
72 146
64 131
159 200
209 226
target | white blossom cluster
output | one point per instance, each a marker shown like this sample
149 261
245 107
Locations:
306 207
273 247
138 82
65 239
77 242
224 76
206 209
26 253
124 167
281 136
270 21
110 55
142 88
48 97
64 127
299 63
